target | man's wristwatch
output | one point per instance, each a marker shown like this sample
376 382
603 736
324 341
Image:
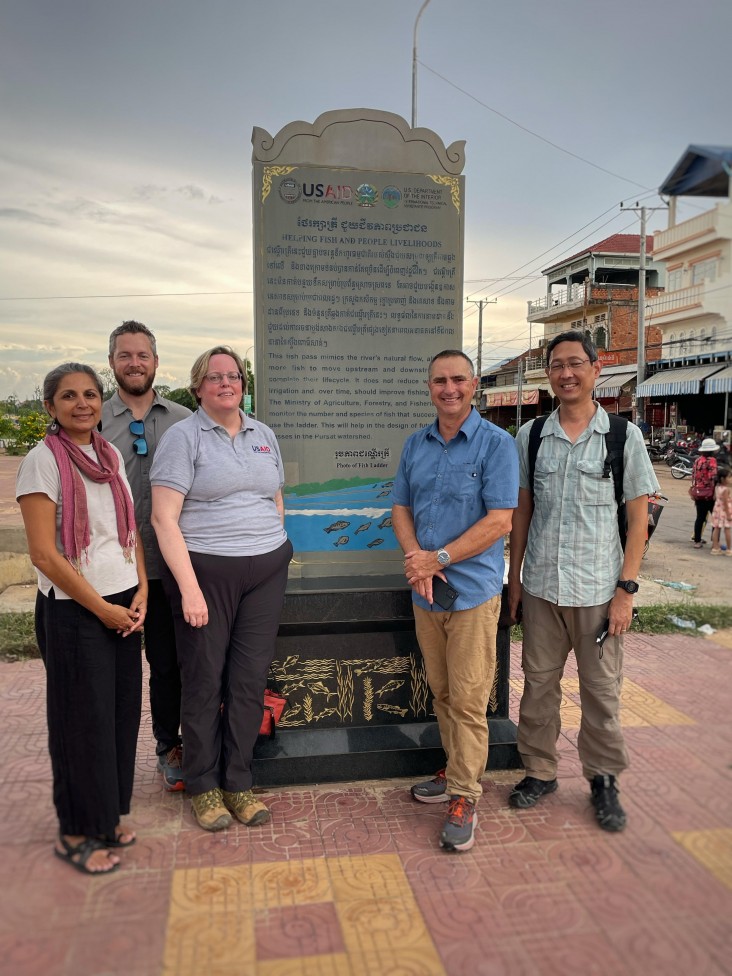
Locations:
630 586
443 557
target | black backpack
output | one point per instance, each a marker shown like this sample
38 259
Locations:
614 450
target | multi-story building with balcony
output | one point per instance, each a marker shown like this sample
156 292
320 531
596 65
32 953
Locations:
596 292
694 315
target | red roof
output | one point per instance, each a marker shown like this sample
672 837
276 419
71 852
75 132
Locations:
617 244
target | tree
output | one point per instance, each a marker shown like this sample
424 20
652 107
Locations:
109 383
182 396
30 430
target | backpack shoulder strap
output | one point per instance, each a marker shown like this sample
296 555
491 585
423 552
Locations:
614 462
615 451
537 426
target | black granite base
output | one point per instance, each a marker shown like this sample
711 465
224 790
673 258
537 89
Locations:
348 660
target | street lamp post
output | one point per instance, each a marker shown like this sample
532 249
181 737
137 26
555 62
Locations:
414 64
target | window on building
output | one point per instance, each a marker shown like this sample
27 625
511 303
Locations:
601 338
682 343
599 318
676 279
705 270
671 345
576 325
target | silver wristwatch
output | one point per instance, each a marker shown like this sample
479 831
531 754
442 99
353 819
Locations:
443 557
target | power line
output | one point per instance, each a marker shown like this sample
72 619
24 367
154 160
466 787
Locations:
564 240
531 132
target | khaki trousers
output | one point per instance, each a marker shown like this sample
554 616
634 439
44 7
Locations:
549 634
459 651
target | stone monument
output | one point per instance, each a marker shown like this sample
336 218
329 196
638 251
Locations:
359 277
358 231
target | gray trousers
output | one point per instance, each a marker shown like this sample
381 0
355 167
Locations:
550 632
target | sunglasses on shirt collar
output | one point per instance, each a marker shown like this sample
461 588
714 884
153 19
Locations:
139 445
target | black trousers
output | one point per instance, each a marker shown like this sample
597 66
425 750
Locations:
93 701
704 508
161 654
227 661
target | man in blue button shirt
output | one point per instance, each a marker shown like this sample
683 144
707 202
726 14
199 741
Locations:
454 493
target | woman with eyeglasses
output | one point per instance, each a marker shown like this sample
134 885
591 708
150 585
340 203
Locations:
91 603
218 513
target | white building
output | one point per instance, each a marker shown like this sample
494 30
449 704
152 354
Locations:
695 312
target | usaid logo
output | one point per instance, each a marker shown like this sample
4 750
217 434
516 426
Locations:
261 449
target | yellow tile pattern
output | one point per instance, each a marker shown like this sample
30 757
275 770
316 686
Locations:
712 848
211 919
638 706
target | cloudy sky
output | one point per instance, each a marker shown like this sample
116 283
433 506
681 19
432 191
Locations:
125 156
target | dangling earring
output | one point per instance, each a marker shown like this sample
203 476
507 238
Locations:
53 426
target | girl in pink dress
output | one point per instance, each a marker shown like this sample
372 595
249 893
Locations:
722 513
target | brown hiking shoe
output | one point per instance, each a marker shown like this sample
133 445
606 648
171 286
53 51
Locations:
209 810
246 807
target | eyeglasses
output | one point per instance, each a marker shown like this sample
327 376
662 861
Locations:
573 364
139 445
218 378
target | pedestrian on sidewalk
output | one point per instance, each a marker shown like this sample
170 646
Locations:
703 480
218 512
722 513
577 582
134 419
454 494
91 604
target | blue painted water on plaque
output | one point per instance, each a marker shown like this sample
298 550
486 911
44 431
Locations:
357 518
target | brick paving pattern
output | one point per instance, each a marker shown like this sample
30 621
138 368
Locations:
348 879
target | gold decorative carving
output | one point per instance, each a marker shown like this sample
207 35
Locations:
454 183
268 173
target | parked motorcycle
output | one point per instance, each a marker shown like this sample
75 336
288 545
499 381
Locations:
682 466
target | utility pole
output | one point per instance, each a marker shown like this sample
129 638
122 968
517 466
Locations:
641 357
480 304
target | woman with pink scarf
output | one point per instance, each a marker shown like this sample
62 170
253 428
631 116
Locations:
91 604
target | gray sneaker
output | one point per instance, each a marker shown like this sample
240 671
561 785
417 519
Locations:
432 790
458 834
169 764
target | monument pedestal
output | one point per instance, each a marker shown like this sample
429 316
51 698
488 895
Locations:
348 661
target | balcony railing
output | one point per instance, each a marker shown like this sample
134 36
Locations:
671 301
692 228
562 296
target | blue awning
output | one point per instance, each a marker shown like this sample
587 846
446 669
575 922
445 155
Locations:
700 173
610 385
676 382
721 382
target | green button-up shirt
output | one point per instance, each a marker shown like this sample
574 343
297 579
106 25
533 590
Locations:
573 554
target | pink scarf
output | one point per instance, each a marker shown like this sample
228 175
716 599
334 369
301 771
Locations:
74 513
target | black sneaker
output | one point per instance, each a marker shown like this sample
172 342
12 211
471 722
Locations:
458 834
432 790
530 790
610 815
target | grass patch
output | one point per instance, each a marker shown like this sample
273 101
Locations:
655 619
17 637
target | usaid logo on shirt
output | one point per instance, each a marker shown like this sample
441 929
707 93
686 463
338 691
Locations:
261 449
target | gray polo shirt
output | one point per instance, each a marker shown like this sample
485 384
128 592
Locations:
116 419
229 485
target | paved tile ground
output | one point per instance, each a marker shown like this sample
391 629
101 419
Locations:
348 879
